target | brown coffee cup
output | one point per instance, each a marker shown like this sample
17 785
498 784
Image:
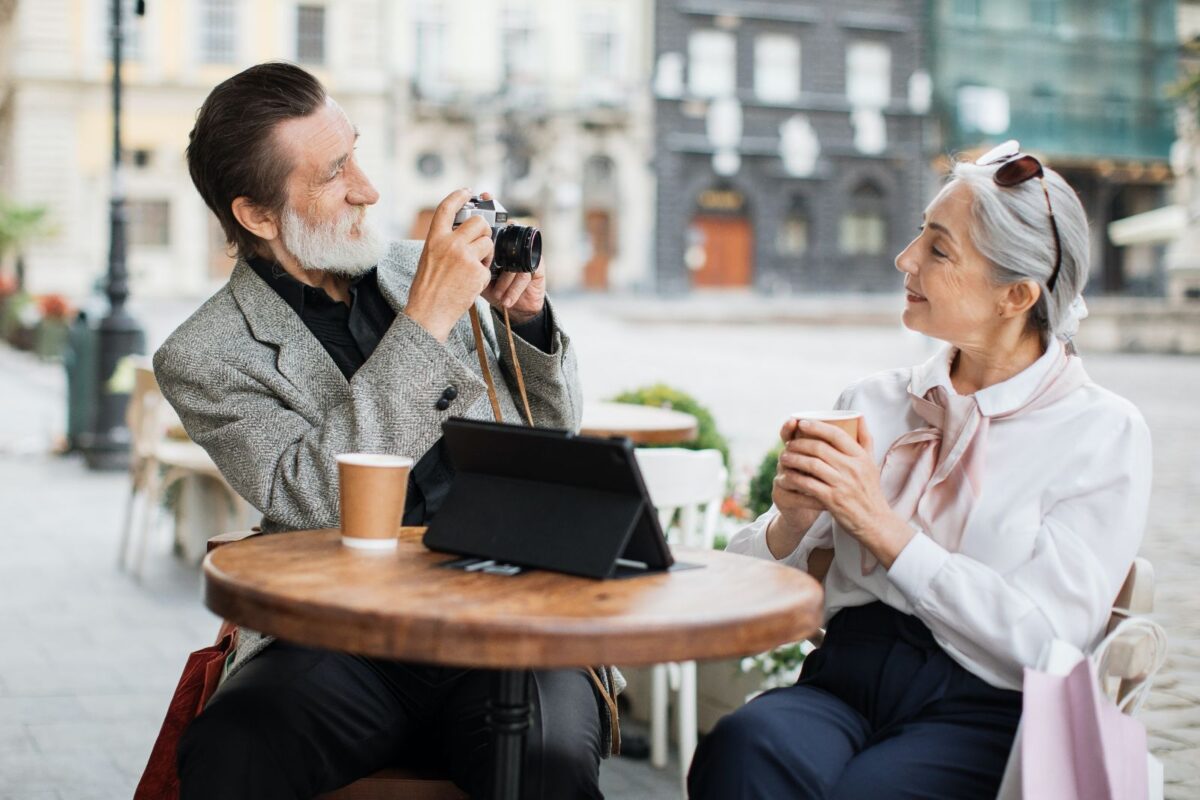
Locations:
372 488
846 420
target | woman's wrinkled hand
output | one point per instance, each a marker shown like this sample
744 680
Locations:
837 472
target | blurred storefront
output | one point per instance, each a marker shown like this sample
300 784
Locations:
1082 83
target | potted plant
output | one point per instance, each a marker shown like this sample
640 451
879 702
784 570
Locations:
663 396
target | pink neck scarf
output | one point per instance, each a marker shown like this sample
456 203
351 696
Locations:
932 476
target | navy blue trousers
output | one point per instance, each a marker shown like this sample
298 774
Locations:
880 711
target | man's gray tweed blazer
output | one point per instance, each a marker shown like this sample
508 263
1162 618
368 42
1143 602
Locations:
261 395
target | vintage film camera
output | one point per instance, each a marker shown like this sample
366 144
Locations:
518 248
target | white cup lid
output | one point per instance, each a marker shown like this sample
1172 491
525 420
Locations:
825 415
374 460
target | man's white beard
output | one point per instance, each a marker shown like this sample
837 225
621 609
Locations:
330 247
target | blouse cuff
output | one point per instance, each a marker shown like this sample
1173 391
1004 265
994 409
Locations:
914 569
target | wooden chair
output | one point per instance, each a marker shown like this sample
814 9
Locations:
393 783
1131 656
157 462
687 488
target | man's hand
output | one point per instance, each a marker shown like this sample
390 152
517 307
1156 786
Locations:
454 268
522 293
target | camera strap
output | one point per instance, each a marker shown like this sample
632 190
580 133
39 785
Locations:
477 330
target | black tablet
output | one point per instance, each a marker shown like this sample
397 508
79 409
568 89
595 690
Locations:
545 498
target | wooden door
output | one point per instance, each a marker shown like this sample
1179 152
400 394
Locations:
728 244
599 230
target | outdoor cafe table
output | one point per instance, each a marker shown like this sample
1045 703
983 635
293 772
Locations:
642 424
306 587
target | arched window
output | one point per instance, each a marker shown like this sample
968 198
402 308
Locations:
863 230
792 237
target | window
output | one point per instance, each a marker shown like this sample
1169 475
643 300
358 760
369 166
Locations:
870 130
868 74
792 237
131 30
429 69
218 32
1117 19
776 68
149 223
600 56
863 230
983 109
712 71
310 34
600 182
1116 113
521 52
1044 110
1044 14
602 73
967 11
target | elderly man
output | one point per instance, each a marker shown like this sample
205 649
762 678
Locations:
327 340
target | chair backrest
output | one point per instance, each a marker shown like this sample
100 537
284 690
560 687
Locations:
690 482
1137 593
148 414
1132 655
143 412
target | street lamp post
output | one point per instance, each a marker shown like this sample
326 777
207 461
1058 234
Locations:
106 444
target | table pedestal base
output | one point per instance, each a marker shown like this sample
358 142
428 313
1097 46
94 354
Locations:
508 716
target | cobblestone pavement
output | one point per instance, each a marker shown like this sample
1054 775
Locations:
89 656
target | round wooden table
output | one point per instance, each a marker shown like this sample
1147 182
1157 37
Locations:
306 587
642 424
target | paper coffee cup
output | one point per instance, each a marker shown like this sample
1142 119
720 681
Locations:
372 488
846 420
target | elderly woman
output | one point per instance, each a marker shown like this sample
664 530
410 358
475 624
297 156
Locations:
993 501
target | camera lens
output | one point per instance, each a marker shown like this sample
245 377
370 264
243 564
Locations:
518 248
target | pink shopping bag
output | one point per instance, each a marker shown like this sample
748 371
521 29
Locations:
1075 743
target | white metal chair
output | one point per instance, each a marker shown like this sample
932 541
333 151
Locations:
687 488
158 461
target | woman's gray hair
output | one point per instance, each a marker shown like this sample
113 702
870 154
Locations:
1010 226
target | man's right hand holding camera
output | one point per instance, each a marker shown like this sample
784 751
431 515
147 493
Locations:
455 267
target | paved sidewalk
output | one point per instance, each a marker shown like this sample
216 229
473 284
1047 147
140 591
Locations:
89 657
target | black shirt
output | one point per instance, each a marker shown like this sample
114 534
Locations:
350 334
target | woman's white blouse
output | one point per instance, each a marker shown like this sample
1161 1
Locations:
1048 543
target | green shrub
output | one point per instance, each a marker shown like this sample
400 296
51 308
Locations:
663 396
763 482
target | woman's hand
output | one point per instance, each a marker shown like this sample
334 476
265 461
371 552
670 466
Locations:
829 467
797 511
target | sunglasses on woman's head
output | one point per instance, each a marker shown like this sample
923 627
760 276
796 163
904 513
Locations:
1014 169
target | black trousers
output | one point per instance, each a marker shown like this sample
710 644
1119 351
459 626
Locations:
296 722
879 712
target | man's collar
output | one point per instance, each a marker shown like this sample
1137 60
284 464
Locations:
295 292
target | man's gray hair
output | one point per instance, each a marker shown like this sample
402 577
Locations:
1010 226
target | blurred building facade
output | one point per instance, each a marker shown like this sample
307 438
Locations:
788 147
1180 223
1083 83
535 100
